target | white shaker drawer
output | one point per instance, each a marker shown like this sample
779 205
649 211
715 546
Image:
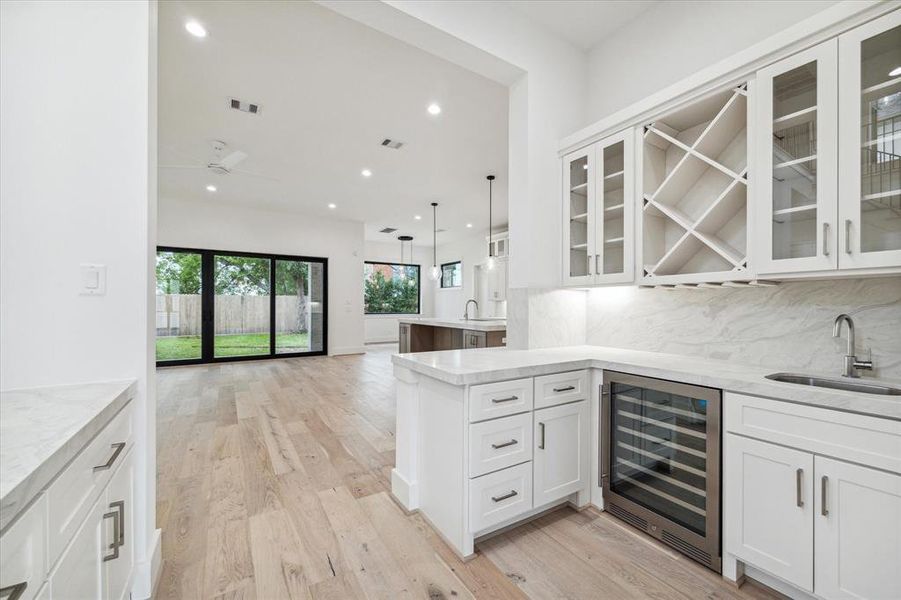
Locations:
492 400
499 496
499 443
71 496
559 388
23 552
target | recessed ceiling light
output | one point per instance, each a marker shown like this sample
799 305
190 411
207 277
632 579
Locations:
211 188
469 225
434 109
195 29
366 173
332 205
895 72
417 217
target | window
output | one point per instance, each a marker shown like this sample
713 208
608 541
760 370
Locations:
214 306
390 289
452 275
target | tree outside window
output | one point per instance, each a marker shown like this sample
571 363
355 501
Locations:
390 289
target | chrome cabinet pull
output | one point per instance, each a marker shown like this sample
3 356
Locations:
847 236
825 239
507 399
597 264
114 515
541 436
504 445
13 592
824 482
506 496
799 474
119 505
119 446
567 388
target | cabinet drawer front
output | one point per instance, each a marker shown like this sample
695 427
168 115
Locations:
857 438
500 443
559 388
23 551
491 400
499 496
71 496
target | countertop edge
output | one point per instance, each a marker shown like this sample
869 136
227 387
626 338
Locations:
30 487
822 398
451 324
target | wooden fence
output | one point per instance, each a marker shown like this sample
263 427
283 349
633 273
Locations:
180 314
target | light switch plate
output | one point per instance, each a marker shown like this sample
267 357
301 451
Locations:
93 280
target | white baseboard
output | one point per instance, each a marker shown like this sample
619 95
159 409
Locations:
347 350
383 340
147 573
777 584
406 493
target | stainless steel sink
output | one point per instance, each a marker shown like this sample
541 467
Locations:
848 384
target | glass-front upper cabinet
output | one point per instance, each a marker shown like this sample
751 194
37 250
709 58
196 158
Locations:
796 162
598 212
579 204
870 151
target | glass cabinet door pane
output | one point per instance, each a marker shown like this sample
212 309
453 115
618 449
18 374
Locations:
880 137
659 452
613 182
578 218
795 163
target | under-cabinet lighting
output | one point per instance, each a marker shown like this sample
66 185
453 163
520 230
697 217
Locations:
332 205
366 173
469 225
434 109
895 72
195 29
211 188
417 217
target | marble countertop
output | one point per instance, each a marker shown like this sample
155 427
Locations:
492 325
42 429
483 365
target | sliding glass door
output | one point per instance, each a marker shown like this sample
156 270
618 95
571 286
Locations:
215 306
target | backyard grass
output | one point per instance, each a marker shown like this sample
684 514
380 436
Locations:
188 346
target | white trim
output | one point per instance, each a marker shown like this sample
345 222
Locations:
147 574
734 69
347 350
406 493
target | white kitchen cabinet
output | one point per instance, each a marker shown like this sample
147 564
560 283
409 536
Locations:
797 158
857 537
80 570
496 281
769 496
23 553
796 507
870 144
561 460
120 500
599 232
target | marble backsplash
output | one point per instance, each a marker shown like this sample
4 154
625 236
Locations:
787 327
545 318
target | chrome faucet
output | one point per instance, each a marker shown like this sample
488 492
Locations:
466 310
851 365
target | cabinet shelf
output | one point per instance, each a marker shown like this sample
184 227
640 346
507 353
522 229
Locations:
613 241
695 199
581 189
795 213
582 246
581 218
805 115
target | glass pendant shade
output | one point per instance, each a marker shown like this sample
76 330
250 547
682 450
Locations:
435 273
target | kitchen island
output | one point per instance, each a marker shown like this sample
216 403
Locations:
432 334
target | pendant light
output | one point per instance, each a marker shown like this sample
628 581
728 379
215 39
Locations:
435 273
402 239
489 264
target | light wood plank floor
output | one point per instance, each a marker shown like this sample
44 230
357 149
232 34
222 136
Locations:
273 481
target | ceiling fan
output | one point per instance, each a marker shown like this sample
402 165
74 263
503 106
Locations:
222 162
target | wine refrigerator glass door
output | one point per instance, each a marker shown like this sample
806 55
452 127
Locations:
661 461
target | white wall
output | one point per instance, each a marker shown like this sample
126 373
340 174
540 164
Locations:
676 39
384 328
223 227
75 90
471 250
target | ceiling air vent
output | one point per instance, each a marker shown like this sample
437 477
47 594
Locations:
247 107
389 230
393 144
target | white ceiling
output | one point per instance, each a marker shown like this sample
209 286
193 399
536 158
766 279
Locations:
330 89
583 23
